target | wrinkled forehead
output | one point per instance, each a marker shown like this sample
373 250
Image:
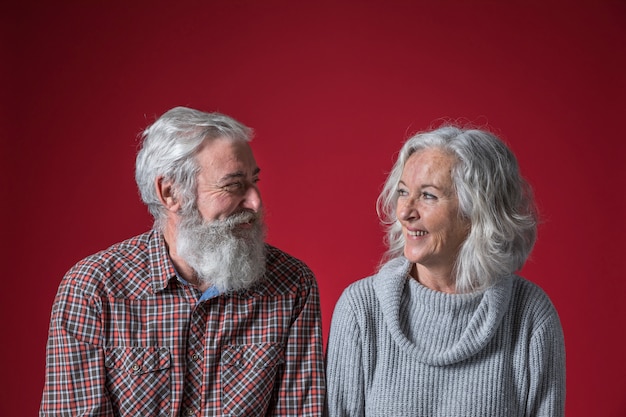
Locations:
429 162
223 155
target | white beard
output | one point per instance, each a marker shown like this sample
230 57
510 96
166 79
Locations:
221 256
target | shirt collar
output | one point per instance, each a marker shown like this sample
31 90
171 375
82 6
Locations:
161 266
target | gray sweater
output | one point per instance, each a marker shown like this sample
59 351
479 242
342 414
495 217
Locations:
397 348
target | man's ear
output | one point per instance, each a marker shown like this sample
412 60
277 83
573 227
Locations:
165 192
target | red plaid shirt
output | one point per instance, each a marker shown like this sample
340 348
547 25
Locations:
128 339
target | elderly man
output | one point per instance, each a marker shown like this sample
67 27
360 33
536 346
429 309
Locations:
197 317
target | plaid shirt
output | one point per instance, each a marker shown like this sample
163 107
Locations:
128 339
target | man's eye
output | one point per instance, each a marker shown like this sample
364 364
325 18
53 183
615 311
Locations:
233 186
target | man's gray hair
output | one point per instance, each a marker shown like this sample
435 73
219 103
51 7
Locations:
169 147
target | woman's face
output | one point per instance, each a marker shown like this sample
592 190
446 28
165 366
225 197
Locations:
428 210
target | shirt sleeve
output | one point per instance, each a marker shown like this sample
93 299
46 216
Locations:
302 384
547 370
344 368
75 370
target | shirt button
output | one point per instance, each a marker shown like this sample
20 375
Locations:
195 357
136 367
189 412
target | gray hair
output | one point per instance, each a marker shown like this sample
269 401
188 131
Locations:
168 150
492 195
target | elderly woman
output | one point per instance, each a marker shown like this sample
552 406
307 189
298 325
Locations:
445 327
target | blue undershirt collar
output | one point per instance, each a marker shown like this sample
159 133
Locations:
209 293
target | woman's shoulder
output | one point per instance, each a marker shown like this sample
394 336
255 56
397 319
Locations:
530 300
385 281
529 290
358 290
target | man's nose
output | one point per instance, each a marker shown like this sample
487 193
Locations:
252 198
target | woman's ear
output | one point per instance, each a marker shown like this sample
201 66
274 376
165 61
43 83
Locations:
165 192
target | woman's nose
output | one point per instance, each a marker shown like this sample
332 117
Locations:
407 210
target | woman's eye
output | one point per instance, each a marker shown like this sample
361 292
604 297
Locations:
401 192
428 196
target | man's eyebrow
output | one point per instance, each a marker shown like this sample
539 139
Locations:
239 174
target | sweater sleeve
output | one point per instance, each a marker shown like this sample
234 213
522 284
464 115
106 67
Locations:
547 369
345 382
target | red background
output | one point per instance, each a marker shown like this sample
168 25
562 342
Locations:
332 89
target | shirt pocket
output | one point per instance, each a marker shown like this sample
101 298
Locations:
138 379
248 376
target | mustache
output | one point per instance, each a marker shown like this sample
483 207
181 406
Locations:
240 218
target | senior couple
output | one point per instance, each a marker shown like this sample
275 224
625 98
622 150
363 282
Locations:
200 317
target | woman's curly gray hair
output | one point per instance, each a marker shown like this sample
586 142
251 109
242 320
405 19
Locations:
492 194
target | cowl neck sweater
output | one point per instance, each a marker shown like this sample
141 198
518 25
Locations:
434 327
397 348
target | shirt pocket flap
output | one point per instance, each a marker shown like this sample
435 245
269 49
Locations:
258 356
137 360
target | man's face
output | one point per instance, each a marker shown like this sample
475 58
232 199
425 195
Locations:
227 182
222 238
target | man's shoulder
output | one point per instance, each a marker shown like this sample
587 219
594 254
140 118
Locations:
284 269
284 262
125 251
120 261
